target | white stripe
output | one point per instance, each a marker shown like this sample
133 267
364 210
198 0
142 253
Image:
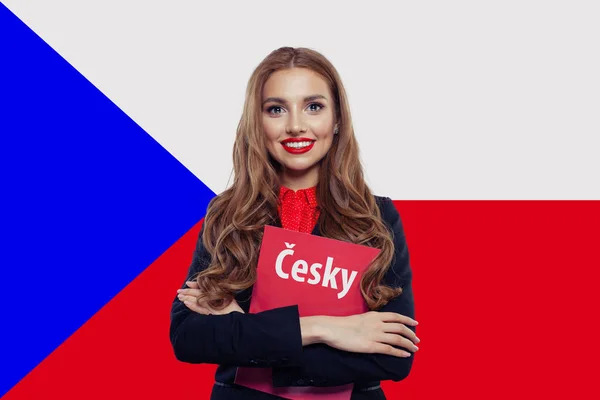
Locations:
451 100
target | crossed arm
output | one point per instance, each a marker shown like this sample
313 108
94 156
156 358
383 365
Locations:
278 338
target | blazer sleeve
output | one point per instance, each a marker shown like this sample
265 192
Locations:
322 365
267 339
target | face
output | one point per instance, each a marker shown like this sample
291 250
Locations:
298 120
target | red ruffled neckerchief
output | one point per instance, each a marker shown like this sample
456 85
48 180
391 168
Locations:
298 210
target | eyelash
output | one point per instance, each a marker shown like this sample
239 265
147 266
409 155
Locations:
270 109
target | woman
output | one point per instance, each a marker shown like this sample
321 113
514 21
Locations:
296 166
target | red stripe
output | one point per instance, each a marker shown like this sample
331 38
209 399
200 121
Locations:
505 293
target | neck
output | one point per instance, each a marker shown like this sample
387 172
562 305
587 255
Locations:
297 180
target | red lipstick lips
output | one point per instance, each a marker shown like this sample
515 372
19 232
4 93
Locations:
297 148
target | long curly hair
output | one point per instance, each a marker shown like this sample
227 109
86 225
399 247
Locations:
234 221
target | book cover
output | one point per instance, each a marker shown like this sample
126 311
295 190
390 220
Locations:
320 275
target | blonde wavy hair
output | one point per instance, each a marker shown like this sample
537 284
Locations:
234 221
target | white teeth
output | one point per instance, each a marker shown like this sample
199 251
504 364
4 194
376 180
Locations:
297 145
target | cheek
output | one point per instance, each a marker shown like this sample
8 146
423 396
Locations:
323 131
322 128
271 133
271 129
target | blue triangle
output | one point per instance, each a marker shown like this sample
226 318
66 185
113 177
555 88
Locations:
89 200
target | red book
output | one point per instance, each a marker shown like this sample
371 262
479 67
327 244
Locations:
322 276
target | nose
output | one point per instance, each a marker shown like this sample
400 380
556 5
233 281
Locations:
295 123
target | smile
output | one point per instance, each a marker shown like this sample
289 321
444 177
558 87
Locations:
298 147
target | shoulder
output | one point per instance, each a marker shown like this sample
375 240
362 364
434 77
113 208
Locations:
202 257
389 213
382 200
400 272
383 203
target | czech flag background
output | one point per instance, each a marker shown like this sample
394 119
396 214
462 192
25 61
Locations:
481 121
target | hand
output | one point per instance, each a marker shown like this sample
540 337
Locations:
372 332
189 298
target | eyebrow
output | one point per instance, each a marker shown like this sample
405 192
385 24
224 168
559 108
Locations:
283 101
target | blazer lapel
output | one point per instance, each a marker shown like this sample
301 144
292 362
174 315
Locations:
316 231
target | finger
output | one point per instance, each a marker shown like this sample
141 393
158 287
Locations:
192 305
395 317
398 341
201 308
382 348
189 292
401 329
192 284
183 298
206 309
192 299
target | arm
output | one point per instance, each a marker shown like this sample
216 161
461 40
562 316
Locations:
267 339
322 365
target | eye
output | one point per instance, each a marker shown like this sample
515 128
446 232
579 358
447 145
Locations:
274 108
312 105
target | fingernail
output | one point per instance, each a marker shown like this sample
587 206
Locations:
418 340
416 348
406 354
179 290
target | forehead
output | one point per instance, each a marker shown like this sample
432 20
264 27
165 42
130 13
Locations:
295 83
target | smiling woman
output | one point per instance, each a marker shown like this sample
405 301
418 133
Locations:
298 118
296 166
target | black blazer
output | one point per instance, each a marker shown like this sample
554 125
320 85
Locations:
272 338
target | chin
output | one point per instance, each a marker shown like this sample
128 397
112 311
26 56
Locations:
299 166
